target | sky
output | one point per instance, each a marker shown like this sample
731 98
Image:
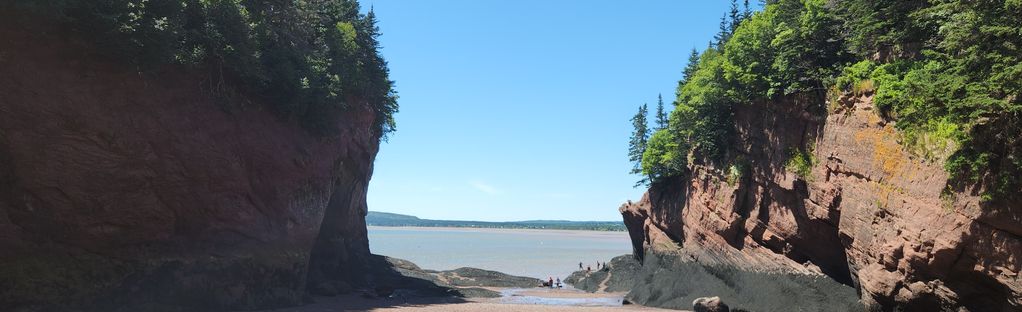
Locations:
520 110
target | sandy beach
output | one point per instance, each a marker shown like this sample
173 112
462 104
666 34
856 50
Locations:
354 302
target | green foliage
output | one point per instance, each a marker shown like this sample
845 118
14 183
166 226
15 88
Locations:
637 144
948 73
801 163
784 49
936 140
947 200
306 58
736 171
661 114
702 118
957 97
976 69
880 26
690 67
806 55
661 158
889 86
856 78
747 58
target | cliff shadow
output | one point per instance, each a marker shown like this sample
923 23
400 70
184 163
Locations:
389 283
768 134
986 253
671 197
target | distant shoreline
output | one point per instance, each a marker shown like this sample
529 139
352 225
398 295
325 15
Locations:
377 218
490 229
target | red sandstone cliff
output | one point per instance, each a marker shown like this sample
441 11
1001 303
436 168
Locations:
870 215
125 189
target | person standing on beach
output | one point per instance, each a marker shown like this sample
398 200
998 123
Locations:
558 282
552 281
580 265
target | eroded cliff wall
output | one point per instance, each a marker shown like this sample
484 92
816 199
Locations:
146 190
870 214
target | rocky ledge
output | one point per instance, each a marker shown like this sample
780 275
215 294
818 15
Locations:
672 281
392 275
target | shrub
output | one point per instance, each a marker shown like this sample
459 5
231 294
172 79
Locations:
736 171
801 163
935 141
856 78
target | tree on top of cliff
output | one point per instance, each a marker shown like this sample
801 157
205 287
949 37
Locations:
306 59
690 68
882 28
637 143
661 115
723 34
947 73
735 16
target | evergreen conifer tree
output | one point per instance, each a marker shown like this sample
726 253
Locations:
661 115
746 11
722 35
691 67
637 143
735 18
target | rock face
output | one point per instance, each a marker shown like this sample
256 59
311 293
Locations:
455 280
121 189
619 276
870 214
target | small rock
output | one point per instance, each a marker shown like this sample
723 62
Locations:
709 304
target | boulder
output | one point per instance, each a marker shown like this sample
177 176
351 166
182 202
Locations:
709 304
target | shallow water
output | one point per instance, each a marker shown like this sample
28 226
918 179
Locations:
517 296
534 253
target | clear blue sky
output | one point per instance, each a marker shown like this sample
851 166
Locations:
519 110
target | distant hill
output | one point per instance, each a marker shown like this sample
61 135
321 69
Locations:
376 218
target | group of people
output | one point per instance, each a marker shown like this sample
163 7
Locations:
552 283
556 283
589 268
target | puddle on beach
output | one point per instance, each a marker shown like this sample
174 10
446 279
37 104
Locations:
559 297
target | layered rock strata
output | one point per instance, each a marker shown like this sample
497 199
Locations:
147 190
870 214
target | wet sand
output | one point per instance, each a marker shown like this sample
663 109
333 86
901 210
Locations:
540 300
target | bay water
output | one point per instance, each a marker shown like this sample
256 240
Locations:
534 253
